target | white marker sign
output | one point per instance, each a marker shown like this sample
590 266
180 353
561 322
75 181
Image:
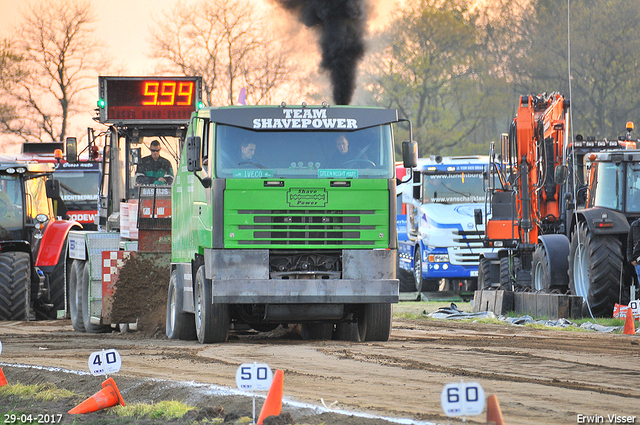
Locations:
462 399
104 362
635 307
254 377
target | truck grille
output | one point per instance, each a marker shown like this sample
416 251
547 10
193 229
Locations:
308 227
467 247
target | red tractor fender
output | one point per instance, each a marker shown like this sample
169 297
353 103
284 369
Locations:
53 240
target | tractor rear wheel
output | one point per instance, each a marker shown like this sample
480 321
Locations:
595 267
15 285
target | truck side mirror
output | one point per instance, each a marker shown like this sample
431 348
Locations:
53 189
53 192
417 185
560 174
193 154
477 216
71 147
410 153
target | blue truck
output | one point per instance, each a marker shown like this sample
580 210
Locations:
439 242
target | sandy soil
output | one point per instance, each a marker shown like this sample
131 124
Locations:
539 376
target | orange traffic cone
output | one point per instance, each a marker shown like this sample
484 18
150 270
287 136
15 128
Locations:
494 414
107 397
3 380
629 323
273 404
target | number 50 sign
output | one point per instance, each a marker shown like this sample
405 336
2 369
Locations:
254 377
462 399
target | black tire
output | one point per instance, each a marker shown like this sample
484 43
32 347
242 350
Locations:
374 324
85 272
15 285
595 263
264 327
179 325
505 273
540 274
407 283
317 331
346 331
417 269
212 320
55 295
484 273
75 295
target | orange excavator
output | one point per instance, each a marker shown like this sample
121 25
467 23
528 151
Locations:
544 210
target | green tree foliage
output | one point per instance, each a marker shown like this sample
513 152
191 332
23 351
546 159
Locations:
436 69
605 53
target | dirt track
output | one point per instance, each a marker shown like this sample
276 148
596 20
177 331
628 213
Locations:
539 376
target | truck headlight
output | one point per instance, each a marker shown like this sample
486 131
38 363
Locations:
438 258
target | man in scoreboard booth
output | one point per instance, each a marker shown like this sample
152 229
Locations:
154 169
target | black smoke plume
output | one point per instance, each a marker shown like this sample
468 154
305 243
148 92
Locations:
341 25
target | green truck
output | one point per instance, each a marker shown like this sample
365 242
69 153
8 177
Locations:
275 221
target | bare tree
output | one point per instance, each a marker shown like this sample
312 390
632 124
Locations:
61 59
11 74
228 43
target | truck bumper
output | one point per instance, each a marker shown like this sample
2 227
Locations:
243 277
305 291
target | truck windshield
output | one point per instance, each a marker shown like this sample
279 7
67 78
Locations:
633 187
607 186
455 188
79 189
364 153
10 202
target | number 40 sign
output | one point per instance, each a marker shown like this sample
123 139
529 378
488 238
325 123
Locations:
104 362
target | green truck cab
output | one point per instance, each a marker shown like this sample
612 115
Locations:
274 222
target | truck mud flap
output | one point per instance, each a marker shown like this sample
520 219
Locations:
134 288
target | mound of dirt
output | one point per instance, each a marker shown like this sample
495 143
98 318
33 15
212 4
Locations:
141 292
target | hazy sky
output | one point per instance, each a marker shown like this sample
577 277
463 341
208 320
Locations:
122 24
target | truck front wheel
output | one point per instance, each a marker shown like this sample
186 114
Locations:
84 270
180 325
75 295
212 320
374 323
15 285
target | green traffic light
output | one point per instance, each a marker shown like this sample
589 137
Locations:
101 103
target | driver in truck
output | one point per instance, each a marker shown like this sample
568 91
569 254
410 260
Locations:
154 169
344 153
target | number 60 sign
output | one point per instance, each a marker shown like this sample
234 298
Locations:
462 399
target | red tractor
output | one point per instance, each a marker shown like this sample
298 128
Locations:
33 241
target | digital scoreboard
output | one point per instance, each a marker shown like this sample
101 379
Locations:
143 100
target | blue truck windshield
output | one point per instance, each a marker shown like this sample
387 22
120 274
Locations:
455 188
364 153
